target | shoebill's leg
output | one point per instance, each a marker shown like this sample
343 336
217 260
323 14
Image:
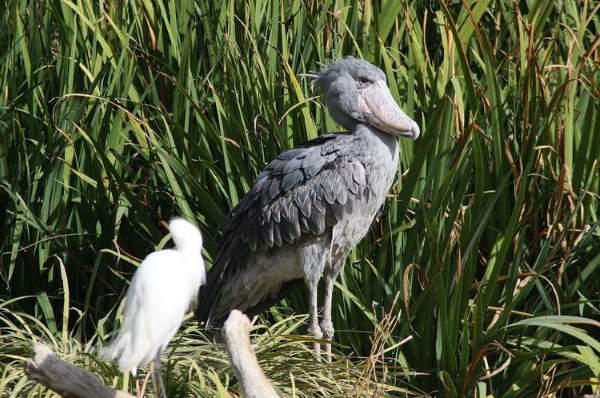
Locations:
326 322
312 259
159 387
314 329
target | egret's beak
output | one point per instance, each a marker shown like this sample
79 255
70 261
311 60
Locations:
382 112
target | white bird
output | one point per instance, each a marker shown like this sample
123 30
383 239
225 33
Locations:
164 288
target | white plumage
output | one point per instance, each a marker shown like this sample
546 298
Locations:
163 289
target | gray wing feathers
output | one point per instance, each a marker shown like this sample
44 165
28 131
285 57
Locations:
301 192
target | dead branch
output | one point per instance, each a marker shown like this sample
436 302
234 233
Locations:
253 382
67 380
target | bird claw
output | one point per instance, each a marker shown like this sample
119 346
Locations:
327 329
316 332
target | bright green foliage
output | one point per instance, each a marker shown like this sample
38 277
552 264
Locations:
115 116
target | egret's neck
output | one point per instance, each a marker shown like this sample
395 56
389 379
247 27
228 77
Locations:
191 250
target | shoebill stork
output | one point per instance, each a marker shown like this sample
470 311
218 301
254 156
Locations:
312 204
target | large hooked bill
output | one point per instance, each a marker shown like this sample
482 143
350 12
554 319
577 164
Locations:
382 112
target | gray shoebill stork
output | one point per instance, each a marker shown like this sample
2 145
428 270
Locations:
312 204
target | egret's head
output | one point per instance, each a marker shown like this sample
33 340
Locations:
356 92
185 235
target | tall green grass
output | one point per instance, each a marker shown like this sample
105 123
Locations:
117 115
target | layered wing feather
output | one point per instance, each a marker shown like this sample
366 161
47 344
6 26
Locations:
303 192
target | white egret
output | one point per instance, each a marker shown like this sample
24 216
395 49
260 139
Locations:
163 289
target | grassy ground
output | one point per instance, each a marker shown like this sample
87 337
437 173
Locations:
117 115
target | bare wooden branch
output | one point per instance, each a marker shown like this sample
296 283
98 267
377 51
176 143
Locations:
67 380
253 382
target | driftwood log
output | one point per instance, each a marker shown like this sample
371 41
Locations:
71 381
65 379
